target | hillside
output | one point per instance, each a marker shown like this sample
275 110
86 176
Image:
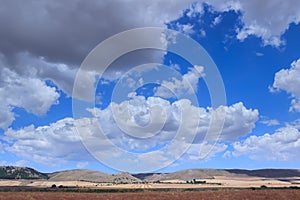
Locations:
123 177
185 175
12 172
267 173
78 175
190 174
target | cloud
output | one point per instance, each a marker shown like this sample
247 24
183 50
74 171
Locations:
55 50
185 28
269 122
32 94
257 19
295 105
283 145
29 66
19 163
239 121
204 151
69 34
6 116
82 165
187 85
51 43
54 144
259 54
202 32
294 124
60 142
62 35
2 148
289 80
217 20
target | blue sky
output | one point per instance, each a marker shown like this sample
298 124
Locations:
144 117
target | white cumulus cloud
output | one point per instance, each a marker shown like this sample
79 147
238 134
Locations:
267 20
283 145
32 94
289 80
60 142
53 144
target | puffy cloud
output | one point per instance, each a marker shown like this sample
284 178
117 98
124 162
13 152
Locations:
294 124
54 51
289 81
166 130
59 35
131 126
258 18
32 94
71 33
6 116
176 88
60 74
239 121
51 42
284 145
53 144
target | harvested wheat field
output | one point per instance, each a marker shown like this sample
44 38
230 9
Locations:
220 194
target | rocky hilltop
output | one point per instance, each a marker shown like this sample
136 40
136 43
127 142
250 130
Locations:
12 172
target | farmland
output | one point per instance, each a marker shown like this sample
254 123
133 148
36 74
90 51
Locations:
182 195
185 184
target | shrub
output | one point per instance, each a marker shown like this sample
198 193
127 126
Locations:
263 187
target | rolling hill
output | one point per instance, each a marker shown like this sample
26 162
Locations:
190 174
11 172
92 176
78 175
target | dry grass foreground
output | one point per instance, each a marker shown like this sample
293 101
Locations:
219 194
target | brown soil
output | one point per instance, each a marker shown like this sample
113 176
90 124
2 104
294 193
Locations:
222 194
